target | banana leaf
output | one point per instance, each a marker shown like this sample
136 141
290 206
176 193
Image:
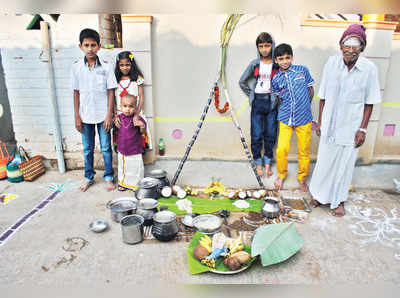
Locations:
276 243
195 267
203 206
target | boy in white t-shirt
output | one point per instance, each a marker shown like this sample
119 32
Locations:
263 103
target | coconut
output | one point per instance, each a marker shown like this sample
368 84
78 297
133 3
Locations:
175 189
232 195
242 195
166 191
256 194
181 194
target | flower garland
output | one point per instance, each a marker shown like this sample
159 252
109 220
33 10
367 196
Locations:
216 102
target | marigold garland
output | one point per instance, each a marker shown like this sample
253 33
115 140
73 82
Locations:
216 102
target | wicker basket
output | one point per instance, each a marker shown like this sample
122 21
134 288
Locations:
33 167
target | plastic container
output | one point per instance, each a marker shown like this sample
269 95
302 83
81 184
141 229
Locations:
161 147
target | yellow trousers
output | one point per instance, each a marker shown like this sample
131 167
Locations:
303 134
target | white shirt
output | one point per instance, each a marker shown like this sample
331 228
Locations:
131 86
92 84
345 93
264 82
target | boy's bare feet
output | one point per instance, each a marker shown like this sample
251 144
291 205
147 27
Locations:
260 171
303 185
110 185
86 185
278 183
268 170
315 203
339 211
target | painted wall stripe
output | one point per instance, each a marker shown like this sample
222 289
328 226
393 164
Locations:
243 106
391 104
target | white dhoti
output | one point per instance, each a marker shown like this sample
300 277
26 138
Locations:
331 179
130 170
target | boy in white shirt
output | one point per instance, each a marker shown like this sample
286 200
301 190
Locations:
93 82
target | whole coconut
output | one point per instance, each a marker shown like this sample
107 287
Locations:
200 252
232 263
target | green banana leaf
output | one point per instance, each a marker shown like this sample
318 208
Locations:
203 206
276 243
195 267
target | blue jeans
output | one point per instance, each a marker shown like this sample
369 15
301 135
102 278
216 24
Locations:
88 135
263 128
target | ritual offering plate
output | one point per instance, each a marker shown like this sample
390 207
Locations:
232 272
219 254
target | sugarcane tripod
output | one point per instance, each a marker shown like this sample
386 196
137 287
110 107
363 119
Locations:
196 133
226 33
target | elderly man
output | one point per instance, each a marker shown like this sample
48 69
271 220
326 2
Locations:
347 92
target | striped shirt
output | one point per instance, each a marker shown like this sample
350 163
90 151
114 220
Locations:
292 87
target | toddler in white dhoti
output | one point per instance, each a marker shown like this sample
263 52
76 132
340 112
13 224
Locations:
129 144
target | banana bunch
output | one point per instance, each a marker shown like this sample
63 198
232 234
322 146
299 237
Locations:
206 242
210 260
234 246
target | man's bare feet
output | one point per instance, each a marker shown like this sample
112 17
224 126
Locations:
84 187
315 203
260 171
303 185
110 185
268 170
339 211
278 183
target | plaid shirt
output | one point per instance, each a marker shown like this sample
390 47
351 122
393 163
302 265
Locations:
292 87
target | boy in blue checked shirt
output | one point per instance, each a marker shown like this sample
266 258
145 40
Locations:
293 85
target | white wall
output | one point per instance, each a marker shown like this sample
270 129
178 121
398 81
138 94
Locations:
181 66
27 81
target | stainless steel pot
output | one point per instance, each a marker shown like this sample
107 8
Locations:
147 207
161 176
132 229
122 208
270 208
165 226
148 188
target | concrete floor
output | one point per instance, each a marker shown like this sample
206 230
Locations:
332 252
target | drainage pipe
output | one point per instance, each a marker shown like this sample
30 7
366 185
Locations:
44 28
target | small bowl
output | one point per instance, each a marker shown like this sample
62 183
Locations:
98 226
